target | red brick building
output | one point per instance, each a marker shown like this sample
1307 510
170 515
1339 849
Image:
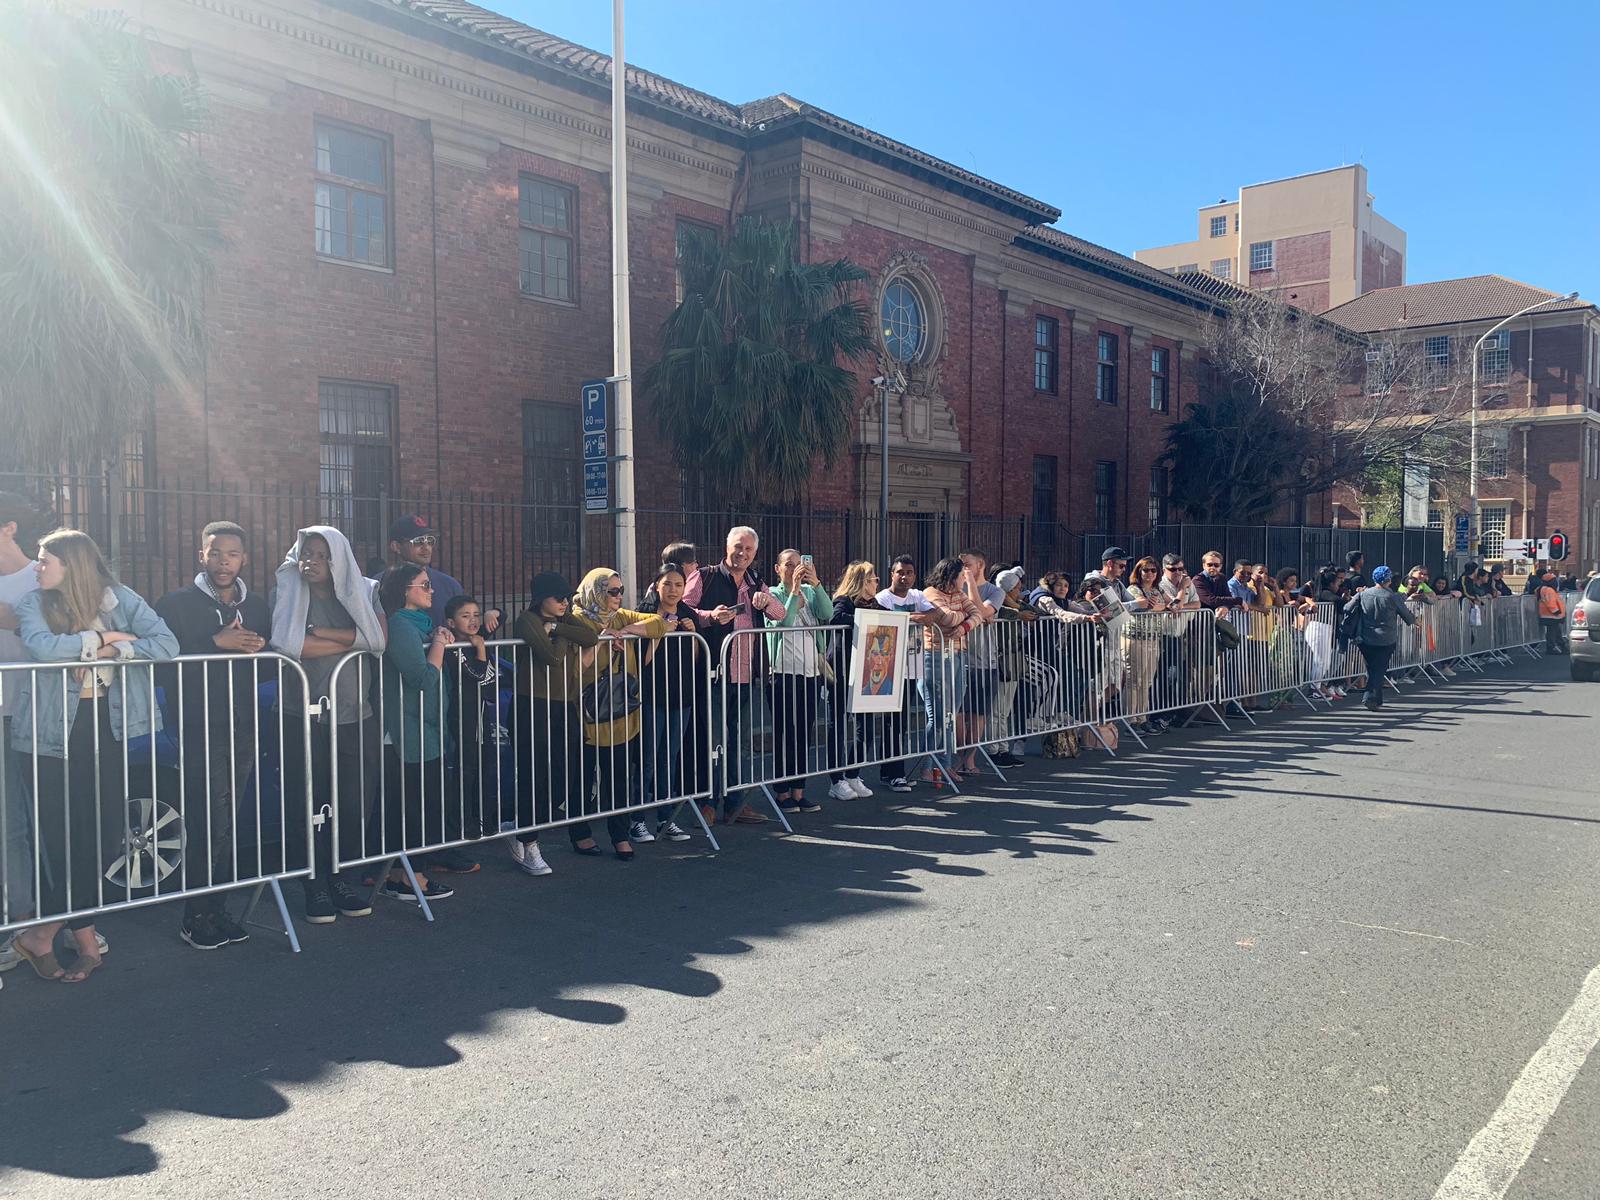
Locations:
1539 401
418 277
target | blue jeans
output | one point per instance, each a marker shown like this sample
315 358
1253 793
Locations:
939 706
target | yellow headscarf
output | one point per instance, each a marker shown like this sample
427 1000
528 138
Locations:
591 596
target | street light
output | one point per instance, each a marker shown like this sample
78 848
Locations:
1477 350
896 384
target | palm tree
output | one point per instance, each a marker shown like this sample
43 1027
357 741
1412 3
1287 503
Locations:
751 387
107 228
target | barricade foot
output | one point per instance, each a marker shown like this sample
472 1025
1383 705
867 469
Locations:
283 913
984 751
1133 732
705 828
416 888
1095 732
773 800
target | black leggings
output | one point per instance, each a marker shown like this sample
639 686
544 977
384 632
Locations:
82 804
794 714
617 772
358 780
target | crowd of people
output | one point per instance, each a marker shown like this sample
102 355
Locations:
412 744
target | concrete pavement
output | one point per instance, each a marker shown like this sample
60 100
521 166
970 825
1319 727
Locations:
1303 960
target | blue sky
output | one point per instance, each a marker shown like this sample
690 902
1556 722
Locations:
1475 121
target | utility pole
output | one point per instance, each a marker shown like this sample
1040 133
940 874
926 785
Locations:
621 331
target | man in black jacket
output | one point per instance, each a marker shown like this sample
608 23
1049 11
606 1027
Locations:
728 597
217 722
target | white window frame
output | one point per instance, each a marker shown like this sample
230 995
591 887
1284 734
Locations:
1219 226
1494 452
1496 365
1494 522
1263 256
1222 268
1436 350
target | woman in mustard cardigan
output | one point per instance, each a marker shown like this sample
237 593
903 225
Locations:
613 755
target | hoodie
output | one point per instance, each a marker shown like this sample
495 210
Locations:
350 607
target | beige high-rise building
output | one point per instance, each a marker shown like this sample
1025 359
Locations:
1315 240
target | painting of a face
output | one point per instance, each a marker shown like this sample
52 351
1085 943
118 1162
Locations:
878 673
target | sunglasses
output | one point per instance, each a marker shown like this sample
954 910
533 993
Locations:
1176 567
426 539
423 584
614 591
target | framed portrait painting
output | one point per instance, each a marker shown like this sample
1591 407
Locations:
878 663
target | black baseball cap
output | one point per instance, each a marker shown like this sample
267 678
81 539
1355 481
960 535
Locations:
410 526
1115 552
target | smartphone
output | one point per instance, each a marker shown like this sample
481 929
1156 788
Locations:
805 560
739 608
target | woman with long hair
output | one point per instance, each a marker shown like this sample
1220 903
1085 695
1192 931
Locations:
854 737
799 661
613 756
1142 643
413 702
944 676
676 701
75 722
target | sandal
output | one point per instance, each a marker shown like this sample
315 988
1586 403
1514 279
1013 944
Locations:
749 816
45 965
85 966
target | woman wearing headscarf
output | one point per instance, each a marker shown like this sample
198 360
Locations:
610 699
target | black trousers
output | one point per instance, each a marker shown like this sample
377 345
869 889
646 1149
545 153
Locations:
1552 637
738 764
82 805
548 752
898 731
345 812
1377 660
794 715
618 775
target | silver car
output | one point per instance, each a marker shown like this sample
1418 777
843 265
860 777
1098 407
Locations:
1583 632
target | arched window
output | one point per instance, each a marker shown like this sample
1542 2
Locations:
905 321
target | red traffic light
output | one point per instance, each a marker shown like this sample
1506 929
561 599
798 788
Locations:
1558 546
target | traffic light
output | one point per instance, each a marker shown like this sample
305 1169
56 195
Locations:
1558 546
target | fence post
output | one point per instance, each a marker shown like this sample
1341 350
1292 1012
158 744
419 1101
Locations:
115 501
848 557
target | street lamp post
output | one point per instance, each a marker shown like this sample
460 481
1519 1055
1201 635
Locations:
886 385
1477 350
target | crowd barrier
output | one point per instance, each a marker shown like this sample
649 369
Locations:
247 777
128 783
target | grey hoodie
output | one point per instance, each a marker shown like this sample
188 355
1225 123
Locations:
1381 613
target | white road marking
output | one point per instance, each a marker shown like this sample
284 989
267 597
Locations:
1489 1166
1436 937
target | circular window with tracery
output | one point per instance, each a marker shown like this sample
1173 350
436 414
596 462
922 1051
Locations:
905 321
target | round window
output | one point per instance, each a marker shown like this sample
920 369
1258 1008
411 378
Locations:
905 324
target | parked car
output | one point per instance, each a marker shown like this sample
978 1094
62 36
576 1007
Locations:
1583 631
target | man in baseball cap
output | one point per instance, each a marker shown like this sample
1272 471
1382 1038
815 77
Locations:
1114 565
412 539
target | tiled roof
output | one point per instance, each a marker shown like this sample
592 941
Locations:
1446 302
782 108
746 118
1065 245
569 56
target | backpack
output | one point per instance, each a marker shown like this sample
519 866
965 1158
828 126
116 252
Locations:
1350 622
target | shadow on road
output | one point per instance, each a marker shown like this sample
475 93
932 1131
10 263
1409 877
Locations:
164 1028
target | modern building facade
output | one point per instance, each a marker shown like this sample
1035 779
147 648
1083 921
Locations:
417 276
1538 399
1314 240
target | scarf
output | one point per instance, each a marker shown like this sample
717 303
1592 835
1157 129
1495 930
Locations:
418 619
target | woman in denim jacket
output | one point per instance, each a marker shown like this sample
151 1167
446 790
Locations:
76 723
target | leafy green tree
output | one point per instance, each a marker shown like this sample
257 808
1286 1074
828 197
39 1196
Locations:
752 386
109 220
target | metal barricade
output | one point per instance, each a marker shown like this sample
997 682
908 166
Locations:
503 746
785 712
128 783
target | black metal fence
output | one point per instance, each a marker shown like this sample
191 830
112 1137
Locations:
494 545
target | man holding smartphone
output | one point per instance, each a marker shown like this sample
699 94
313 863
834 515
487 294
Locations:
728 597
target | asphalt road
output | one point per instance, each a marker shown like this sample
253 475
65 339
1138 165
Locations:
1303 960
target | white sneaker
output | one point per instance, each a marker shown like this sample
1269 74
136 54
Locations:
862 790
842 791
518 851
640 832
532 861
901 784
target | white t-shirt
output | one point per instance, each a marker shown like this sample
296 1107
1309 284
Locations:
13 588
912 601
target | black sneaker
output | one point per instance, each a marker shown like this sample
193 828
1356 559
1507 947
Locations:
319 905
201 932
229 928
432 890
808 805
790 805
1007 759
347 901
